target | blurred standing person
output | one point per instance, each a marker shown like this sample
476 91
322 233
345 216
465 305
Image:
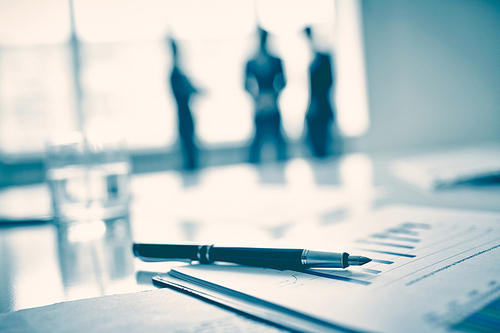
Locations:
183 90
264 80
320 113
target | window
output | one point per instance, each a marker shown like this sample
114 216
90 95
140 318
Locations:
125 63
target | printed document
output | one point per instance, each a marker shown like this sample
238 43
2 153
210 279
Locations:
443 169
432 270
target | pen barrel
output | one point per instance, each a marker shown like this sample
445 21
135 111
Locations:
294 259
260 257
165 252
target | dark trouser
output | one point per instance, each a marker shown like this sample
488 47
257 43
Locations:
267 126
319 136
186 135
189 152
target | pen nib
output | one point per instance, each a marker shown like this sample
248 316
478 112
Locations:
358 260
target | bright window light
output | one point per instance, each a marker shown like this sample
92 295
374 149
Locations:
126 86
126 64
120 20
351 94
213 19
27 22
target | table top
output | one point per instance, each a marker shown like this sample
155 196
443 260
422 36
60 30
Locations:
243 204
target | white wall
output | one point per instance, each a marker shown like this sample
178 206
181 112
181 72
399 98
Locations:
433 70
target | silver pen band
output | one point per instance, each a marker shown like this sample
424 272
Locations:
207 255
198 254
203 254
303 257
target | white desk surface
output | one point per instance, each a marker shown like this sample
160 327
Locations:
245 204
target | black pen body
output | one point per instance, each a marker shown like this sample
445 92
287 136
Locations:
260 257
166 252
206 254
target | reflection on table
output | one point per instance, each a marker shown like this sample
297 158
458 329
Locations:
288 203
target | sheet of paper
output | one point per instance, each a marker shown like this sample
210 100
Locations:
442 169
156 311
431 269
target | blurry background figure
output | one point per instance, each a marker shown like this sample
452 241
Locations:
264 80
320 114
183 90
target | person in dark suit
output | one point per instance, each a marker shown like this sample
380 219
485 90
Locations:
183 91
264 80
320 113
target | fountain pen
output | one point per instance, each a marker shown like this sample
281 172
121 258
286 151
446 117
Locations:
294 259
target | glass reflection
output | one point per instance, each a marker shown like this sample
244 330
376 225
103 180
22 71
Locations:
94 256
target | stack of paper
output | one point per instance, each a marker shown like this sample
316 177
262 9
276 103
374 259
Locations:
443 169
432 271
